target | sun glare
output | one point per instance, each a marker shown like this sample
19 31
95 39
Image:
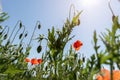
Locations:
89 3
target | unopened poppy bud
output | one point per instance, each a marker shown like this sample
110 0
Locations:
83 59
27 60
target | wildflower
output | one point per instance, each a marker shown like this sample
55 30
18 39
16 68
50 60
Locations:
27 60
116 74
77 45
34 61
99 77
105 74
39 61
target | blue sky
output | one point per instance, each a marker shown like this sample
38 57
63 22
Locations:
54 13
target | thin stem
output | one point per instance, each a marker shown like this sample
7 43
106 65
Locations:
15 35
72 6
8 30
110 8
23 33
33 32
111 70
55 70
14 29
5 29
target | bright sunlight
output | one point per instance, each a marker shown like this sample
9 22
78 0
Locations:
89 3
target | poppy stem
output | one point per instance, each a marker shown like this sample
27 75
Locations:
14 29
23 33
111 69
110 8
33 33
55 70
71 6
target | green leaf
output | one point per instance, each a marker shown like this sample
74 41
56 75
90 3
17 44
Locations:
3 17
13 70
76 20
1 27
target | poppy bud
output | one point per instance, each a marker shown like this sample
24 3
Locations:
5 36
21 25
83 59
39 48
27 60
39 26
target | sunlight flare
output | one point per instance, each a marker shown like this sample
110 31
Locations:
90 3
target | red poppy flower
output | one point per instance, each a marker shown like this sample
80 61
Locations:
77 45
34 61
116 74
27 60
99 77
39 61
105 74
